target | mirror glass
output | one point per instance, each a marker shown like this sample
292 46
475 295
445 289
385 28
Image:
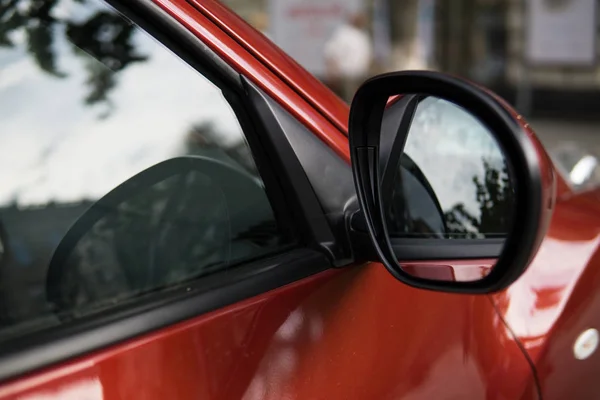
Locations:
444 177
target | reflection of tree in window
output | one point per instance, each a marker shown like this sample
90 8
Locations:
495 199
204 139
105 36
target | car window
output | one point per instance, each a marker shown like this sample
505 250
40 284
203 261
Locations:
91 109
453 181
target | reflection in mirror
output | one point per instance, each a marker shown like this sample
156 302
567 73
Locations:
444 176
451 181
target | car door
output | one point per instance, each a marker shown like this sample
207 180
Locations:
172 229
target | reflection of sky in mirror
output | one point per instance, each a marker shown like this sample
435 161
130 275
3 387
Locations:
449 145
55 148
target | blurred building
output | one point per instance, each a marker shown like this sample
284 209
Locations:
538 54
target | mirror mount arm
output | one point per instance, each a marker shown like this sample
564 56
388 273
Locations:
392 156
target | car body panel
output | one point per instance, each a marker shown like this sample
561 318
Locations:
355 333
352 333
557 299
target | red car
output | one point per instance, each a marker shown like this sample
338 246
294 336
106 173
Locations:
186 213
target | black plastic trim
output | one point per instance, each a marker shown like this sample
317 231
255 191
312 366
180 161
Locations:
524 169
423 249
292 176
446 249
195 298
288 221
391 150
329 174
316 171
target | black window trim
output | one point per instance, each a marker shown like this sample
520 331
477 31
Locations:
311 255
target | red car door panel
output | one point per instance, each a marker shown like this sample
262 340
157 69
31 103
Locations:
556 300
351 334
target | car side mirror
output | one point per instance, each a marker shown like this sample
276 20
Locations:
455 190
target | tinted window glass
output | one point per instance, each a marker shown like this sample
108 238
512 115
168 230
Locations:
87 102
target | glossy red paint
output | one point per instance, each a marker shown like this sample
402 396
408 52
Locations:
356 333
347 334
558 298
212 357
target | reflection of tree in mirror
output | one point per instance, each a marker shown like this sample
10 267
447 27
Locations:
495 199
104 35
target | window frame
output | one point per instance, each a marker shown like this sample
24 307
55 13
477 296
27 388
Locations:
307 256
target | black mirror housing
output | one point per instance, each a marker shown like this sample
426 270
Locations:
532 179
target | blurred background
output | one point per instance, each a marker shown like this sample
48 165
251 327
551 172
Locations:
540 55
